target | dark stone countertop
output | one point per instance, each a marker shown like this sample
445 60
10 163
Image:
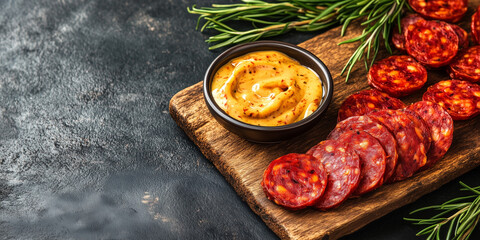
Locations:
88 149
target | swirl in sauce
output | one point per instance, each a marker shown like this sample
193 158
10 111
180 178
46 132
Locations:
267 88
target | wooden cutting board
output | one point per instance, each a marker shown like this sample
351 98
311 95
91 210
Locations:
242 163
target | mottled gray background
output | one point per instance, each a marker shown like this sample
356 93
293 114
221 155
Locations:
88 149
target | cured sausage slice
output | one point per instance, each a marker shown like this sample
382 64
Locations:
421 128
441 129
475 25
466 66
398 38
378 131
462 36
343 168
372 159
366 101
446 10
397 76
461 99
411 151
294 181
432 43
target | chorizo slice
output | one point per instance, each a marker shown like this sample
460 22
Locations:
397 76
421 128
366 101
294 181
462 36
343 168
372 159
445 10
461 99
441 129
378 131
466 66
432 43
398 38
475 26
411 151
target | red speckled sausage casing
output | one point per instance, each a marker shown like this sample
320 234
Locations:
343 167
372 159
411 150
461 99
441 129
294 181
378 131
445 10
432 43
397 76
466 65
367 101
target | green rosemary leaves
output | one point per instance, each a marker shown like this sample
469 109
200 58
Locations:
457 217
277 17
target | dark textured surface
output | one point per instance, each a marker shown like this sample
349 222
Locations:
87 147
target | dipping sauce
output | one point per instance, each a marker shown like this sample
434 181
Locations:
267 88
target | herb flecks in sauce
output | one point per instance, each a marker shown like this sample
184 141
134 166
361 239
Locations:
263 88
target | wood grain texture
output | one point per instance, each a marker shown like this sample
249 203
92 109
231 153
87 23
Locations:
242 162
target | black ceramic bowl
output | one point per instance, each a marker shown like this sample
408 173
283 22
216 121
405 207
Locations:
265 134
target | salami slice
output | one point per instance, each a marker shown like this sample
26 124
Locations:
441 129
398 38
397 76
475 25
421 128
432 43
366 101
372 159
343 168
466 66
445 10
378 131
294 181
461 99
462 36
411 151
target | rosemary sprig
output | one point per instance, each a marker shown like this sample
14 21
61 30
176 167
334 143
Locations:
277 17
464 217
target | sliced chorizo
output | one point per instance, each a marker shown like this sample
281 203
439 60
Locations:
378 131
421 128
432 43
475 26
462 36
343 168
411 150
294 181
372 159
398 38
461 99
466 65
445 10
397 76
441 129
367 101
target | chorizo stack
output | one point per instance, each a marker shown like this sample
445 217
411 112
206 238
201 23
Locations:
445 10
361 154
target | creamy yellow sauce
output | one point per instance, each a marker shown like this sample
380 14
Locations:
267 88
